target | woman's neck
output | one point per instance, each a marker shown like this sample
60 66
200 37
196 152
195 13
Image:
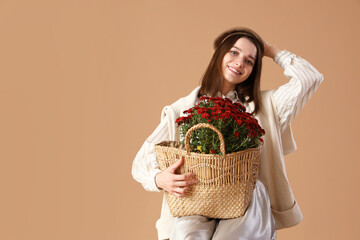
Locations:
227 88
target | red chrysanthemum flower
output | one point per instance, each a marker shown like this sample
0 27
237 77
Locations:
239 128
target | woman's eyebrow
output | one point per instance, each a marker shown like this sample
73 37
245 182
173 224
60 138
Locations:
240 51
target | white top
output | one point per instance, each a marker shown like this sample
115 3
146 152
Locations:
289 99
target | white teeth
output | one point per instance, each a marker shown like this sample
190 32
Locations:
234 70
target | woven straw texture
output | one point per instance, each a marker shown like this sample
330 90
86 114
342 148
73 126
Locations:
226 183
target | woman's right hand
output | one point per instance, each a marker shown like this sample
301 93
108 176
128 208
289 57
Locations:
176 184
270 50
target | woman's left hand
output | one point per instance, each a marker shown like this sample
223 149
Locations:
270 50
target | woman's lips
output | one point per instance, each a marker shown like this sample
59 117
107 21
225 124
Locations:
234 70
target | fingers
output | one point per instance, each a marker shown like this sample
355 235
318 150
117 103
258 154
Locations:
178 184
185 180
179 191
178 195
180 187
177 164
184 177
185 183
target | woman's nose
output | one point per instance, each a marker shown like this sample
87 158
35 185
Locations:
239 62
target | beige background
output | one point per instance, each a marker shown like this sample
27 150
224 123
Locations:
83 84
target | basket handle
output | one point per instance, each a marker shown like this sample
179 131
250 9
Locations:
202 125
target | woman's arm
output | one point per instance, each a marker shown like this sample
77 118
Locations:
291 97
146 169
145 166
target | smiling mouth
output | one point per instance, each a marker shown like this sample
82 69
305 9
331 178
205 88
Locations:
234 70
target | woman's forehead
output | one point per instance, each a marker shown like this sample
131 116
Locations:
245 46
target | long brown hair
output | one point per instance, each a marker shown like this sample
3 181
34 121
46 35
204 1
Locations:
212 80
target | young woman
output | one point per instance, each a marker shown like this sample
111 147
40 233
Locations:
234 72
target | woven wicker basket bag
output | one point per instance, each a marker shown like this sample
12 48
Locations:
226 183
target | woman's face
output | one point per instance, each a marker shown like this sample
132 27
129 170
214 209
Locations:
238 63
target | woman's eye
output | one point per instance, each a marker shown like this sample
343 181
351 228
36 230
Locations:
233 53
249 62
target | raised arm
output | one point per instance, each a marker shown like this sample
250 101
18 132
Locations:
304 79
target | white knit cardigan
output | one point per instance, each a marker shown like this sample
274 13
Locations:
272 167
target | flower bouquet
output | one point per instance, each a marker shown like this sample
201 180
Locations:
222 147
239 128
